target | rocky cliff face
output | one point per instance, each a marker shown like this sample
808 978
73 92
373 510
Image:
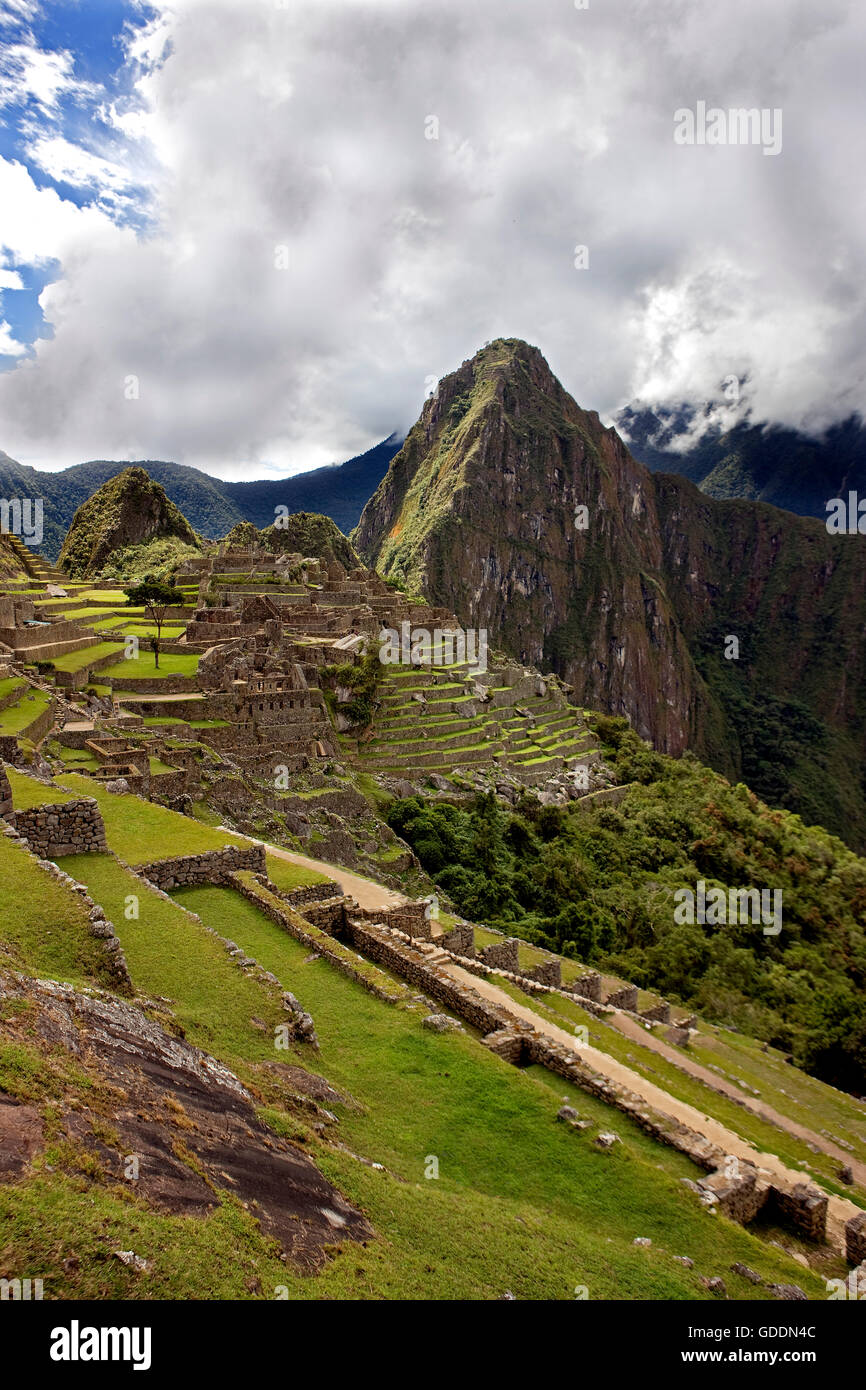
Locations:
523 513
129 509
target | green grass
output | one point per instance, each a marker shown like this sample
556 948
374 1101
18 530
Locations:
50 1217
158 767
143 667
75 758
71 662
171 955
140 831
288 876
16 718
44 929
27 792
521 1203
10 683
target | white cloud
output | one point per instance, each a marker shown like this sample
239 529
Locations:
66 162
9 346
28 71
304 126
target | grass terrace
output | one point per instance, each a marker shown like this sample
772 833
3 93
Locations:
18 717
139 831
72 662
9 684
654 1067
44 924
288 876
143 666
27 792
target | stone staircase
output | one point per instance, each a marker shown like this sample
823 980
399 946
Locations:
35 565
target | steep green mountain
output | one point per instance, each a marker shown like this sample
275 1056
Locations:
304 533
525 515
128 511
765 463
212 505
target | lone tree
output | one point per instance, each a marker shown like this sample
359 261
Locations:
157 597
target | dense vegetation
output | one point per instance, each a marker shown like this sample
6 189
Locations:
128 510
598 885
304 533
160 557
362 679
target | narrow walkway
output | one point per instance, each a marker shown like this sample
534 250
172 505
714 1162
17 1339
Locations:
630 1029
363 890
839 1209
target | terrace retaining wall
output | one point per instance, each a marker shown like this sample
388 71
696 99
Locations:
214 866
65 827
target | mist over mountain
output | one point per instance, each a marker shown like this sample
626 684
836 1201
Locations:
766 463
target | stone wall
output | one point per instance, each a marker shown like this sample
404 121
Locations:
501 955
410 918
378 944
659 1013
803 1207
313 893
5 794
155 685
327 916
855 1239
740 1197
168 786
588 987
625 998
214 866
461 940
65 827
510 1045
549 972
9 750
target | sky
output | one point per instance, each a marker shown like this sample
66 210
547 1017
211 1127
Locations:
250 235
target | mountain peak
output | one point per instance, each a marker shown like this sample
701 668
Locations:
128 509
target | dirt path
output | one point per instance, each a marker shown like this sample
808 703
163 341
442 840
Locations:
363 890
630 1029
839 1210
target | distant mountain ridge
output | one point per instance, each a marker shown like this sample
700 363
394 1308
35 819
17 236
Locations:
211 505
765 463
